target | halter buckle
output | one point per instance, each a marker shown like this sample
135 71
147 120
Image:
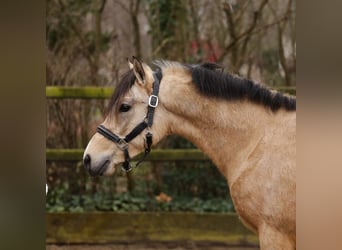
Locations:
153 101
122 144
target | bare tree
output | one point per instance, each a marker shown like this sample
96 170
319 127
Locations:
287 65
240 38
133 11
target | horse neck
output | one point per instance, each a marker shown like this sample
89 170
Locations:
227 131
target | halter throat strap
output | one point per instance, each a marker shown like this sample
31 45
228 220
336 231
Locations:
123 143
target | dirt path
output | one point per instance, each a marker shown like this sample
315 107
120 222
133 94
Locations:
151 246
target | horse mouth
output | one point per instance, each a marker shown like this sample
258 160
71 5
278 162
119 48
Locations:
100 170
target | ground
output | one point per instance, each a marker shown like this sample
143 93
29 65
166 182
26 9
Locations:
152 246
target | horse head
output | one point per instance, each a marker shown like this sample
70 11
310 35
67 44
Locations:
127 129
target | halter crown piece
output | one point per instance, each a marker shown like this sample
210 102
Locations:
123 143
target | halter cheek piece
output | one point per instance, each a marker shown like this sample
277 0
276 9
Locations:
123 143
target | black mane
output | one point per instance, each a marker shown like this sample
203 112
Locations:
211 81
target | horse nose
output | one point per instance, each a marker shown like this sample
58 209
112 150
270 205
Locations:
86 162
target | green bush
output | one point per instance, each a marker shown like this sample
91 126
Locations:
59 201
192 186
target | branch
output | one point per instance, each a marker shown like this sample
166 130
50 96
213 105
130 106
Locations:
162 44
242 10
103 3
98 33
280 33
249 31
136 7
244 34
227 8
78 34
122 6
133 13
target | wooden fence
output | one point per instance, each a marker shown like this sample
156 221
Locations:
89 92
111 227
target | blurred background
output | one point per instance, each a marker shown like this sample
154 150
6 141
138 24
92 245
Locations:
87 44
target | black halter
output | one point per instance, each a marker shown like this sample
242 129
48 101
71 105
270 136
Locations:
123 143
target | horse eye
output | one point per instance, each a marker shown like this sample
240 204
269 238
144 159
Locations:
124 108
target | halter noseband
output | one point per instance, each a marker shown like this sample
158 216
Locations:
123 143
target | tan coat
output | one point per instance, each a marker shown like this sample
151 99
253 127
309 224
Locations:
253 147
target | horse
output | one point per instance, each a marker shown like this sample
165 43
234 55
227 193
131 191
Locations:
244 127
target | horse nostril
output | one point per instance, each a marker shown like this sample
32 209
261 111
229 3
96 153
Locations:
86 161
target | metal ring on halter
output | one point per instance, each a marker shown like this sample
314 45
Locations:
122 144
153 101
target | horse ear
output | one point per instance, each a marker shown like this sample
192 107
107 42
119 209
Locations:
130 63
138 70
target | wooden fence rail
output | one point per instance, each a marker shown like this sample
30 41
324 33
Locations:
111 227
90 92
155 155
87 92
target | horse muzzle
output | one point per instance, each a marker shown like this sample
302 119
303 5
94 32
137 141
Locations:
96 168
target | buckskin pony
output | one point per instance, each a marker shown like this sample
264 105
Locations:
248 130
